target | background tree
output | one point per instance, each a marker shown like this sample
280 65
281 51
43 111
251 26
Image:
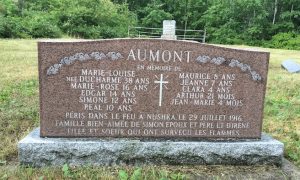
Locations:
154 13
254 22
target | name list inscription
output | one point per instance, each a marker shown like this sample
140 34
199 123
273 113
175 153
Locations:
108 99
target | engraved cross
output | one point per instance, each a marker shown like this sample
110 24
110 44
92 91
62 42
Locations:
161 82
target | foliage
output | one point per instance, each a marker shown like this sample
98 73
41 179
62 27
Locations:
40 25
227 22
51 19
66 171
8 7
285 40
95 19
154 14
123 175
253 22
12 27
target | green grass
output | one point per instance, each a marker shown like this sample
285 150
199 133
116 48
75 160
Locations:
19 114
18 61
144 172
18 93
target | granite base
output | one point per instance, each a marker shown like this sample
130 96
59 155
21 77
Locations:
37 151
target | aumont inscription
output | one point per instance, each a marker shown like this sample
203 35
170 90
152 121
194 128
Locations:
150 88
165 56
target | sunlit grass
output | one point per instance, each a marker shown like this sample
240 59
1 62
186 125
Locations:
18 61
145 172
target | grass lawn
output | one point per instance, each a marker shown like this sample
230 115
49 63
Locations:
19 114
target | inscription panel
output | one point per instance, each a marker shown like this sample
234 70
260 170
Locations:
150 88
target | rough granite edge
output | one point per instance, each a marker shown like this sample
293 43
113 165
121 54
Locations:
37 151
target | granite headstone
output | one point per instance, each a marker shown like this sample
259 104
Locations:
150 88
145 91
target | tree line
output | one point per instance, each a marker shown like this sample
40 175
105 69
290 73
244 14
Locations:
270 23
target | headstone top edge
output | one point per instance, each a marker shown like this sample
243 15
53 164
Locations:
55 42
252 49
113 39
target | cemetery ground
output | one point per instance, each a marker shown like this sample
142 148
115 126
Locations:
19 114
